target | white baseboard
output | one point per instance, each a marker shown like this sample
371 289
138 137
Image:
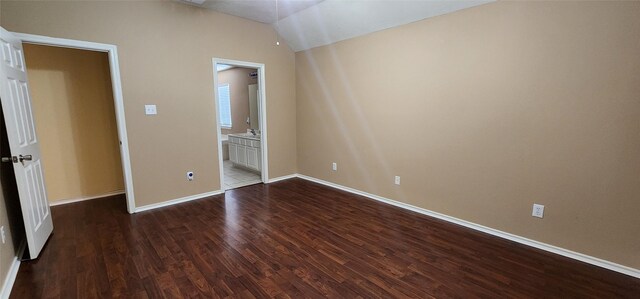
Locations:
177 201
7 286
72 200
522 240
244 184
282 178
199 196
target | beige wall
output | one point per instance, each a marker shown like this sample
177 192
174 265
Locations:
165 51
485 111
75 120
501 106
9 208
7 251
238 80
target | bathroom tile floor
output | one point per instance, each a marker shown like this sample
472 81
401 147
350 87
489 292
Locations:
235 177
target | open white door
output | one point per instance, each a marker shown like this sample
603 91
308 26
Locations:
16 104
253 107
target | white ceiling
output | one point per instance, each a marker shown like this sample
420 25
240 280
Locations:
307 24
263 11
335 20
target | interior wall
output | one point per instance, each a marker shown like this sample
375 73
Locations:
7 250
484 112
73 108
10 212
238 80
165 53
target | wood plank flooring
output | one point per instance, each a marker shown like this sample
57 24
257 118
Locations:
293 239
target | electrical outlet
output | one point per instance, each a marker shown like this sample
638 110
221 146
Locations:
334 166
150 110
2 233
538 210
397 181
189 175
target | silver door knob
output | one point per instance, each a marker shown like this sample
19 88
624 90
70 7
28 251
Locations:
25 158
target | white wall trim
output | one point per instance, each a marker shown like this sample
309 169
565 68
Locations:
498 233
116 84
178 201
262 110
7 286
72 200
282 178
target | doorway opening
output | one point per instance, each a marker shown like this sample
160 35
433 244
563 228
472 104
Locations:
74 115
241 122
95 120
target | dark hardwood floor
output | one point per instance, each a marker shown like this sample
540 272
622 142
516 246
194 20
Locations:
293 239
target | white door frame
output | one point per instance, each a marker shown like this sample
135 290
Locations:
114 67
262 112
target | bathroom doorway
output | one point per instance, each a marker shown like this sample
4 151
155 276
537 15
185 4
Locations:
239 98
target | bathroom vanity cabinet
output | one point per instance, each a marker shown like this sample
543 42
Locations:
244 150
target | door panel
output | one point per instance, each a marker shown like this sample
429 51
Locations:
16 104
242 155
253 106
233 152
252 158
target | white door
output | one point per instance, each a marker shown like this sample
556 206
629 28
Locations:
253 106
16 105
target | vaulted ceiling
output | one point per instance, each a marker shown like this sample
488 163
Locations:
263 11
306 24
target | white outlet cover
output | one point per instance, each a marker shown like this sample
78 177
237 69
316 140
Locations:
334 166
538 211
150 110
190 176
397 180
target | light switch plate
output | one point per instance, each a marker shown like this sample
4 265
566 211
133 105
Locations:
150 110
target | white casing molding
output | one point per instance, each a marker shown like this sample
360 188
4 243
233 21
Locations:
116 85
262 110
498 233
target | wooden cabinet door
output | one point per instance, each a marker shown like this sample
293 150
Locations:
233 152
242 155
252 158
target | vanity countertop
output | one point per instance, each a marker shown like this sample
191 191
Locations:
246 135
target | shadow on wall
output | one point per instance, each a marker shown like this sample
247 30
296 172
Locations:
77 114
76 85
10 197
